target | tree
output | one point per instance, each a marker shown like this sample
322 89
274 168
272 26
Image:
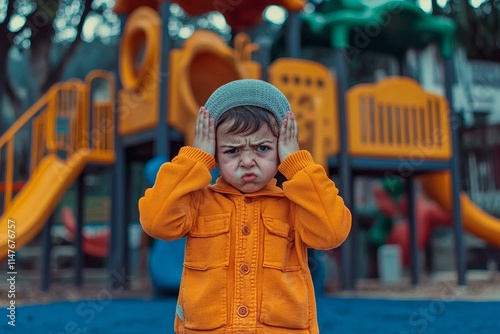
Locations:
478 28
37 27
5 44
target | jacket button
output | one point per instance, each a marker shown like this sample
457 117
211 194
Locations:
245 230
248 200
244 268
242 311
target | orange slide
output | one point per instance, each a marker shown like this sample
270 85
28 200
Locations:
40 195
474 219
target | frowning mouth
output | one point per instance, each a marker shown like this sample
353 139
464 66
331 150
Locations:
248 177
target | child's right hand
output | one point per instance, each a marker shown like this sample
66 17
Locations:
204 132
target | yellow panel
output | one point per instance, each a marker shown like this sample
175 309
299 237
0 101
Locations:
311 91
401 111
196 71
139 72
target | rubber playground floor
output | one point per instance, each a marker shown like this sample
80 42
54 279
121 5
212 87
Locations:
443 314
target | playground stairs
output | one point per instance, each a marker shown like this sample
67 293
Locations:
67 129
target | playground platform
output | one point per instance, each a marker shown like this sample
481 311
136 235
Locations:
437 306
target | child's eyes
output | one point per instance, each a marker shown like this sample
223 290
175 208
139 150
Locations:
260 149
263 148
231 151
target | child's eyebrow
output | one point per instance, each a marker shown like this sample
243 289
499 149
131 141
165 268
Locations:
264 141
258 143
232 145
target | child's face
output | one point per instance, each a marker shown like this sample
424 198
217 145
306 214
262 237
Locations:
247 161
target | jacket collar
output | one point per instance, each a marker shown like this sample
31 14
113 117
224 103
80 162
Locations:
221 186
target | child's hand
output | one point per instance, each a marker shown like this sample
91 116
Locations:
204 132
288 141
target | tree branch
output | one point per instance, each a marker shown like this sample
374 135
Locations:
6 37
6 41
14 99
56 73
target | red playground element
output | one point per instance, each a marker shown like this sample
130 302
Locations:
428 215
16 186
95 245
239 14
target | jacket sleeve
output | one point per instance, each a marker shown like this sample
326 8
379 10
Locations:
321 218
168 210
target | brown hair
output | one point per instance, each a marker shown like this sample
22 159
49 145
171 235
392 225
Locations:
249 119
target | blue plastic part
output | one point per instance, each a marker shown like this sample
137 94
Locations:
152 167
166 263
167 257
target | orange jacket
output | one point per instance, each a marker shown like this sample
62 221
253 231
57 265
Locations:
245 266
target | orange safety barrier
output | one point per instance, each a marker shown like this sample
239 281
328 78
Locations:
65 137
396 118
198 69
311 91
140 72
102 108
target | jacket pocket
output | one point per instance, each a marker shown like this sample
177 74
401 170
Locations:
279 249
203 298
285 300
207 245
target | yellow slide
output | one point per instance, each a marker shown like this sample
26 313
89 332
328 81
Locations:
39 197
474 219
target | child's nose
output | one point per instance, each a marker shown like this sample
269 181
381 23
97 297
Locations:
247 159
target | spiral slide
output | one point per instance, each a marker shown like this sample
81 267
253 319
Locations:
474 219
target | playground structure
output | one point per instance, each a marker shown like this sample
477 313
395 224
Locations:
65 137
391 225
95 245
392 127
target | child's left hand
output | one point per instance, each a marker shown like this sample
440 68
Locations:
204 132
288 142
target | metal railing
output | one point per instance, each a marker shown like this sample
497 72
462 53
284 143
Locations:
481 161
61 123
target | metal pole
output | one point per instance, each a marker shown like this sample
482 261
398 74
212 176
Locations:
162 146
293 35
355 270
347 279
118 204
116 255
412 219
46 254
80 206
455 173
264 55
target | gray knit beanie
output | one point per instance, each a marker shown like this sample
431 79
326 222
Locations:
246 92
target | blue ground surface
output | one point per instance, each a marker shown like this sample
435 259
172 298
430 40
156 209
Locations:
335 315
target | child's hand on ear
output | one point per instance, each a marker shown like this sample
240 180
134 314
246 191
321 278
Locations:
288 141
204 132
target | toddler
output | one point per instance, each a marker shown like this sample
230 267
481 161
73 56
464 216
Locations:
245 265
